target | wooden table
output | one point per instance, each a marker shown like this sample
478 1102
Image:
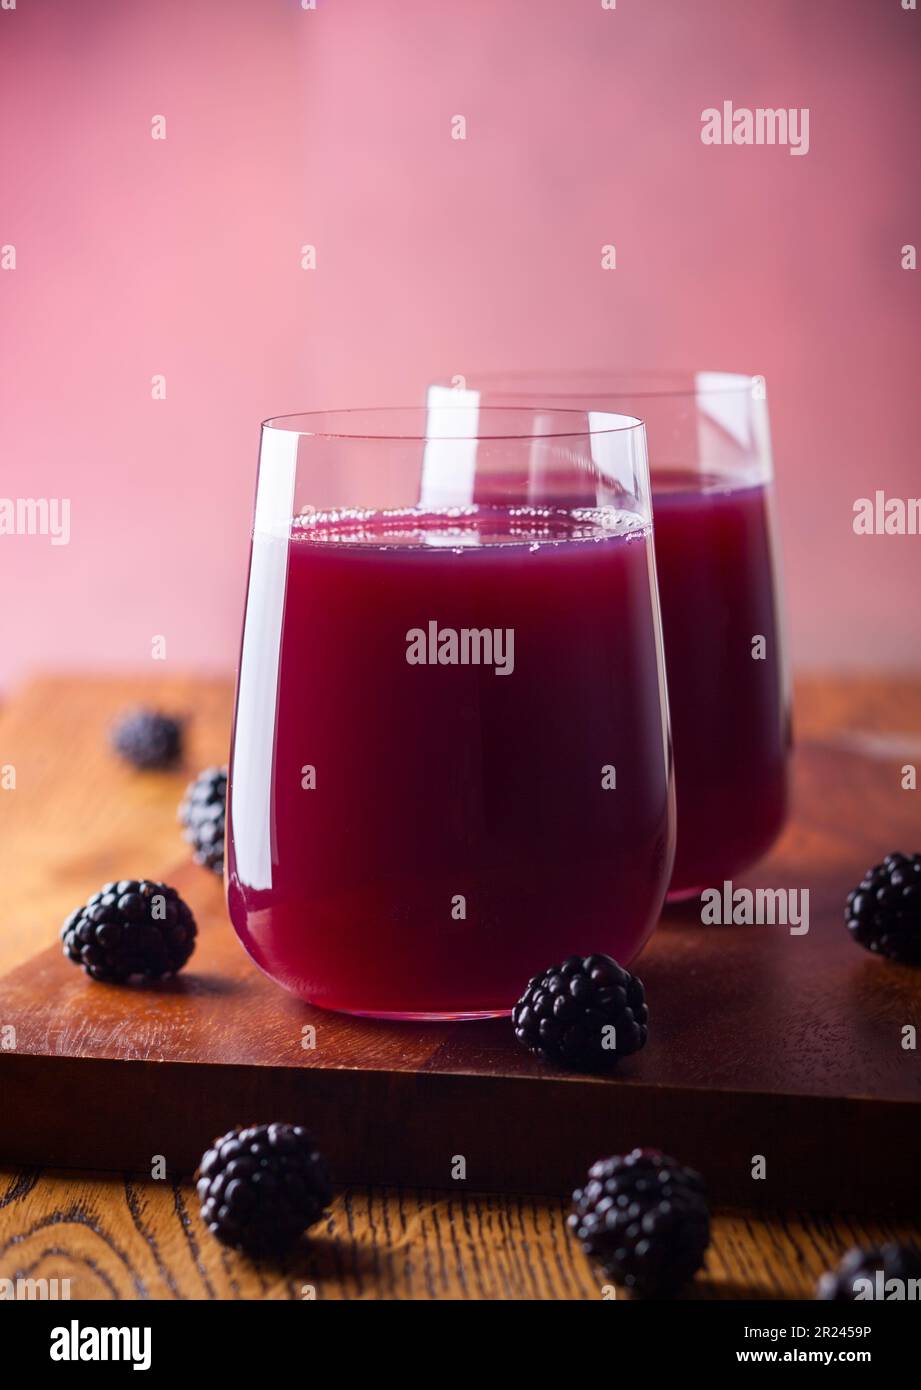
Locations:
124 1237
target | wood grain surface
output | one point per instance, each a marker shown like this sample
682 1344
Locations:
128 1239
118 1237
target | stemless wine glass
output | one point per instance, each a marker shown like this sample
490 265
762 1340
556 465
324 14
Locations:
451 764
718 571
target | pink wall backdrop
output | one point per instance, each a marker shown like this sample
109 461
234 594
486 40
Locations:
181 257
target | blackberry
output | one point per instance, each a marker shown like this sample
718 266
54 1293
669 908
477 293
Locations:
202 815
262 1186
644 1219
876 1265
883 912
585 1013
133 927
148 739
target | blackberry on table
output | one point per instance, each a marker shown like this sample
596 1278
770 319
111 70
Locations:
133 927
644 1219
585 1013
147 739
261 1186
203 814
901 1262
883 912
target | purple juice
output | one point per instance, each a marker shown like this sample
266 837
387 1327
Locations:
417 837
729 710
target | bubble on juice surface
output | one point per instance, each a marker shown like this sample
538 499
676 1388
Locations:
464 527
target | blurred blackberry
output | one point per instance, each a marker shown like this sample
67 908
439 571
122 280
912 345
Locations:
883 912
645 1220
147 739
202 813
566 1014
133 927
902 1262
262 1186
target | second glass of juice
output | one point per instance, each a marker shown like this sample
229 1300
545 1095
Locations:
719 586
451 764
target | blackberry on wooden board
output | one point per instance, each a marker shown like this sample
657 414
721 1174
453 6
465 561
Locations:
202 814
585 1013
134 927
883 912
148 739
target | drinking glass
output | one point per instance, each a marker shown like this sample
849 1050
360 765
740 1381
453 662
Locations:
451 763
719 587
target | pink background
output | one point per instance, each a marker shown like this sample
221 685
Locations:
333 127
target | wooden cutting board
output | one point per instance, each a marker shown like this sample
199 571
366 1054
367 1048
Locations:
761 1042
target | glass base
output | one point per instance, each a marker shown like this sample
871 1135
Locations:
426 1017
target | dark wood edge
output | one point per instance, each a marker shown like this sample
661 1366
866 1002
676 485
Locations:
406 1129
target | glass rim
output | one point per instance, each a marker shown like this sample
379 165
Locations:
293 423
642 382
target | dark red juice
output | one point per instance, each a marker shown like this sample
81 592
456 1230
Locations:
728 706
418 838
